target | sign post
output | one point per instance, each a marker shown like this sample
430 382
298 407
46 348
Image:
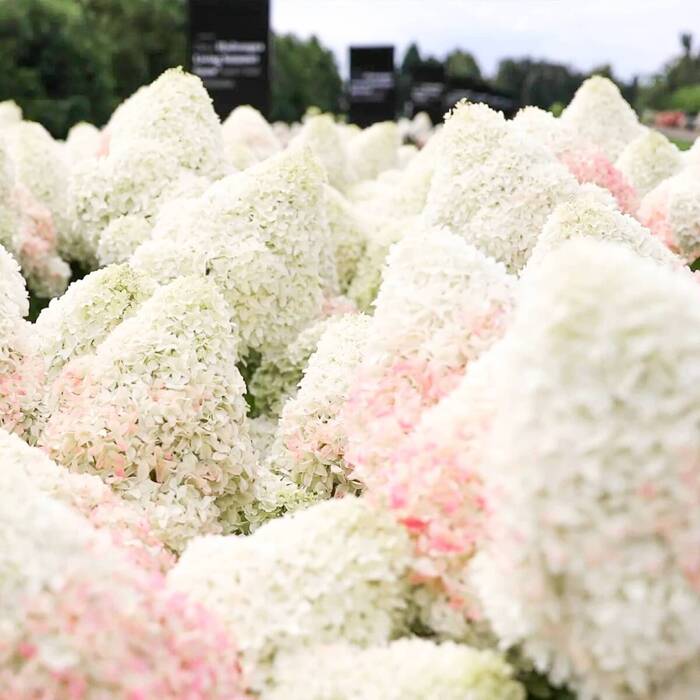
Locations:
229 51
428 91
372 84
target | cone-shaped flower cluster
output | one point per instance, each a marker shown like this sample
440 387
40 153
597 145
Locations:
591 555
334 572
158 412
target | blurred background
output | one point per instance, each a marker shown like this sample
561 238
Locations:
65 61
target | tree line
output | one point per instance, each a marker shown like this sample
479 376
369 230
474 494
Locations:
66 61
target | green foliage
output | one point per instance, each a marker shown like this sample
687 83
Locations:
686 99
71 60
304 74
538 688
462 64
664 90
146 38
54 66
681 144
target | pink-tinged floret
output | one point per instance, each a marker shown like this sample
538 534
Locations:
592 165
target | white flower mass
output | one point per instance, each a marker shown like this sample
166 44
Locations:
319 412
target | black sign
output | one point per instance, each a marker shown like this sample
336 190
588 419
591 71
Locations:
372 84
428 91
476 90
229 51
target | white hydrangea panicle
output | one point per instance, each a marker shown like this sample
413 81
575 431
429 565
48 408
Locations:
8 214
348 234
13 290
441 304
672 212
374 150
648 160
21 367
176 112
333 572
310 442
83 317
263 237
368 278
431 486
590 557
406 669
136 179
248 138
10 113
321 134
593 213
277 377
40 168
121 237
601 118
158 412
543 127
494 186
692 155
34 244
77 616
406 153
91 497
84 141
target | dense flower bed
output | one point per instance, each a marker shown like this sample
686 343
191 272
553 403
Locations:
331 417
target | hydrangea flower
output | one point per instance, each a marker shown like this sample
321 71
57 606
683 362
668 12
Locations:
277 377
259 235
321 134
84 140
248 138
431 485
136 179
406 669
81 319
442 302
158 412
311 437
368 278
21 366
80 620
10 113
594 214
542 126
601 118
176 112
121 238
348 235
91 497
592 165
13 291
590 558
648 160
333 572
34 243
374 150
672 212
39 167
494 186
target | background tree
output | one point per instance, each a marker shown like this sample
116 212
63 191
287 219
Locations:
461 64
304 74
54 65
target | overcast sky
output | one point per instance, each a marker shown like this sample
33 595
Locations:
635 36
